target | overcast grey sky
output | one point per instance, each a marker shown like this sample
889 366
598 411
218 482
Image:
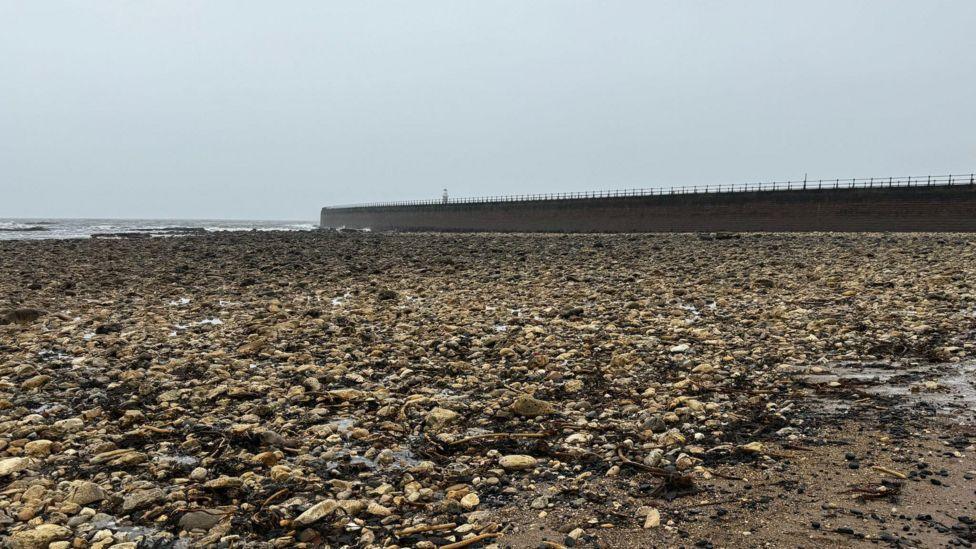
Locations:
269 110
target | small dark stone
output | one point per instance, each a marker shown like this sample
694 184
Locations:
571 312
104 329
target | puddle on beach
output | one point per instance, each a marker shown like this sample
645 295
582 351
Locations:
48 355
948 388
177 328
45 408
132 533
400 459
178 461
342 425
212 321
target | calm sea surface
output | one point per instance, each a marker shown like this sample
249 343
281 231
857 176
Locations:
35 229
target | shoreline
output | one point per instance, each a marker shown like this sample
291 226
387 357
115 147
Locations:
81 228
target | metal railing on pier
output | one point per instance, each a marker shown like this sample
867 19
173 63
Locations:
805 184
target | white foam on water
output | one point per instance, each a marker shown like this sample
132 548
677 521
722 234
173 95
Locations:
40 229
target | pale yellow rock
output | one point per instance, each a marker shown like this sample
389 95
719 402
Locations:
280 473
70 425
470 501
38 448
653 518
35 382
13 465
346 395
38 538
317 512
83 492
528 406
573 386
378 510
439 418
752 448
516 462
267 459
353 507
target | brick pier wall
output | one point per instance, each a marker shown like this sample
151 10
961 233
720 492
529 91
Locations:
941 208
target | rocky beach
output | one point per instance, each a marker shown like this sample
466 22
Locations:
337 389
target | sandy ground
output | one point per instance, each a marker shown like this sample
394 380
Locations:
810 496
371 390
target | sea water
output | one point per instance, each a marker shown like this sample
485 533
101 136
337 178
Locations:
20 229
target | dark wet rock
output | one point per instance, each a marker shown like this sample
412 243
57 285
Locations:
203 519
104 329
21 316
387 294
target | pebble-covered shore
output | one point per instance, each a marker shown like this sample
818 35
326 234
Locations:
373 390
